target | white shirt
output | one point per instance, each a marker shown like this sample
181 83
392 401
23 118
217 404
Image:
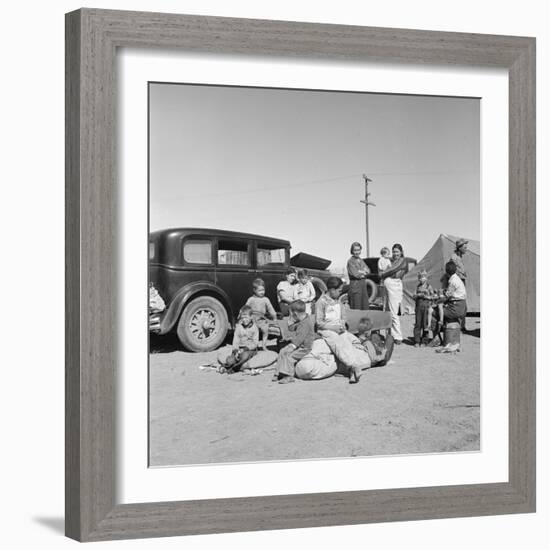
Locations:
285 292
383 264
456 289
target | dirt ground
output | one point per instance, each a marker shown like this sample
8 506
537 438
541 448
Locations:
422 402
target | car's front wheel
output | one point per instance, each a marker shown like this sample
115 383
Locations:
203 324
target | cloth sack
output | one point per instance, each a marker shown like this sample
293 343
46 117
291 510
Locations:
319 363
347 349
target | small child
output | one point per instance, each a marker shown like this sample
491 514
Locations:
285 291
423 297
384 262
301 339
245 341
262 309
304 290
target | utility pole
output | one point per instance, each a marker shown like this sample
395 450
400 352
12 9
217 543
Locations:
367 203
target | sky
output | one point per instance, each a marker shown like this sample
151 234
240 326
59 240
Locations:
289 164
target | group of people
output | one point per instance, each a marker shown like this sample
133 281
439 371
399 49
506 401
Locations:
392 267
297 302
434 308
301 340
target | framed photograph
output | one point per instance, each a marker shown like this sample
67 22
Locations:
300 264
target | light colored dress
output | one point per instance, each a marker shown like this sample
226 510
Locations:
305 293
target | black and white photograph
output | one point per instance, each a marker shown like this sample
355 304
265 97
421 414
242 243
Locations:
314 274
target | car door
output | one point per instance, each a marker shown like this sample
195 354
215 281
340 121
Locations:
234 270
272 261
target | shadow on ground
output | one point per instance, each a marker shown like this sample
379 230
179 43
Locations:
54 524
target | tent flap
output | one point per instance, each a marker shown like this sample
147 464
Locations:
434 263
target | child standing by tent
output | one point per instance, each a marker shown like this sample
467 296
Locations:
423 298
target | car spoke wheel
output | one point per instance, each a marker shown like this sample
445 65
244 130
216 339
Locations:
203 324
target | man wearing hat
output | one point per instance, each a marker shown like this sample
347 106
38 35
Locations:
457 259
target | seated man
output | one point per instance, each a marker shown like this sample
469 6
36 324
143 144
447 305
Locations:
452 305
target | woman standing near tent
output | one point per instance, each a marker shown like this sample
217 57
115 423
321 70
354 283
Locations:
357 271
393 282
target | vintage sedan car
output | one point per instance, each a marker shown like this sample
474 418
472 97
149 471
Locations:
204 276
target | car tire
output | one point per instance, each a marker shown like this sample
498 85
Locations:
372 290
319 286
203 324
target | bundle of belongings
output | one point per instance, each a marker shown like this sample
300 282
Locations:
342 353
345 352
331 352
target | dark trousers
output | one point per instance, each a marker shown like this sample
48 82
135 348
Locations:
422 309
452 312
287 359
463 319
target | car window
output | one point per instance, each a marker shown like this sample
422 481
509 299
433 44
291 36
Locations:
197 251
233 253
267 255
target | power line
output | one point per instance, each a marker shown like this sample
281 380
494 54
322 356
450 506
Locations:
270 188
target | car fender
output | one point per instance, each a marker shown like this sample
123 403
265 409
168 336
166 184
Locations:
185 295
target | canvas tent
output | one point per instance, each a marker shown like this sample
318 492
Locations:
434 263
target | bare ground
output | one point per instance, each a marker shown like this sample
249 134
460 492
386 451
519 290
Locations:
422 402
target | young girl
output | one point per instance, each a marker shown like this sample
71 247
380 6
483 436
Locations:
304 290
262 309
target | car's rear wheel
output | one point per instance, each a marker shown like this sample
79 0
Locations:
372 290
319 286
203 324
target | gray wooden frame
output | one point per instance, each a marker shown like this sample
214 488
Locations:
92 38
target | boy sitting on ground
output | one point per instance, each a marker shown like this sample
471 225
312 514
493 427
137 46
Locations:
301 336
245 342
